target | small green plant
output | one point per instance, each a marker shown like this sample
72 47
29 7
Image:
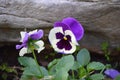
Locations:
67 67
104 47
6 70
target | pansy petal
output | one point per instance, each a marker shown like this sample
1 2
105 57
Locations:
65 50
73 39
40 44
24 36
32 32
112 73
59 35
37 35
63 25
75 26
18 46
55 47
52 34
23 51
72 50
64 44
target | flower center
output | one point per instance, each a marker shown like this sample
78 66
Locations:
65 38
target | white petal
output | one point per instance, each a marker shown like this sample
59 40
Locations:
72 50
52 38
55 46
73 39
22 33
23 51
32 32
52 34
40 44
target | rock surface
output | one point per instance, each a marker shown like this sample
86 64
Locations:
99 18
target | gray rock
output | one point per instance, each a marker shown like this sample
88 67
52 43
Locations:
99 18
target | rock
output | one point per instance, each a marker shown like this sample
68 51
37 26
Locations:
99 18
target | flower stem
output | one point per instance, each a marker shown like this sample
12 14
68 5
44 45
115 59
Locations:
73 75
37 63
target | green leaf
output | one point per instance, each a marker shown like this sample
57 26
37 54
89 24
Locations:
104 46
75 66
4 76
97 77
32 71
26 77
118 77
61 74
82 72
95 66
31 68
26 61
35 71
65 62
44 71
51 64
83 57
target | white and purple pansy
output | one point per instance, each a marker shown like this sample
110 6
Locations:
71 24
62 41
30 41
65 34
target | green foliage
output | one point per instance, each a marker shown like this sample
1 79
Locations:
31 69
82 72
75 66
118 77
83 57
65 62
26 61
60 67
61 74
95 66
97 77
6 70
104 47
87 68
64 68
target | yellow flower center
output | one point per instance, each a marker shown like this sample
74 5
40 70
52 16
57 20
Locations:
65 38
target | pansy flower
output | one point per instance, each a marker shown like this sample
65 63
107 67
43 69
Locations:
30 41
71 24
62 41
63 37
112 73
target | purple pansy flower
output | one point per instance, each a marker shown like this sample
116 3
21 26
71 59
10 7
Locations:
62 41
71 24
26 39
112 73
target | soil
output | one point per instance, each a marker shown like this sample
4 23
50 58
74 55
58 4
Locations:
9 55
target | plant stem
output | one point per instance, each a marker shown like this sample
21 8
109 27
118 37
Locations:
73 75
37 62
102 70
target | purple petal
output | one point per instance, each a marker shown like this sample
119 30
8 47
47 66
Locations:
112 73
64 44
37 35
60 24
59 35
75 26
68 37
20 46
25 38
